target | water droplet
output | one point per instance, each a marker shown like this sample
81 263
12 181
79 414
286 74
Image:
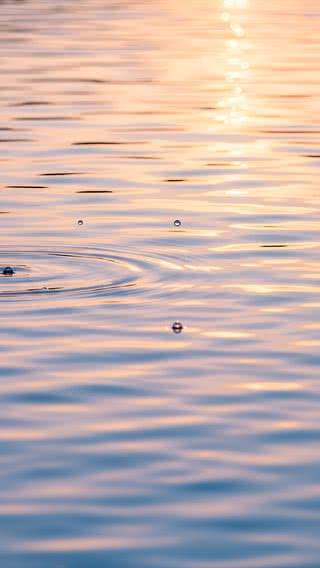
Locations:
8 271
177 223
177 327
80 222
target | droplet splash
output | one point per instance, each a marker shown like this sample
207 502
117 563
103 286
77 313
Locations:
8 271
80 222
177 327
177 223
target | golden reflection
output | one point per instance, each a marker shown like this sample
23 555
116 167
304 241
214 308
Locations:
235 4
104 542
286 425
227 334
272 386
272 289
236 192
199 268
276 310
308 343
233 108
156 422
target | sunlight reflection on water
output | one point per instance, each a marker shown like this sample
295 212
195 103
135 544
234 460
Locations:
159 347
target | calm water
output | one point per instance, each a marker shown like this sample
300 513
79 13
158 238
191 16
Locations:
122 443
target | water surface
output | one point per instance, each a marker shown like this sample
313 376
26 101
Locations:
123 443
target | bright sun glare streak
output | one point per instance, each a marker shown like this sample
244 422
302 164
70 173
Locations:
238 4
234 106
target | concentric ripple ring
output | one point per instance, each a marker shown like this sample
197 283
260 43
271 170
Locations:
87 272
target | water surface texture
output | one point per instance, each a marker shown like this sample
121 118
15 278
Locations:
125 443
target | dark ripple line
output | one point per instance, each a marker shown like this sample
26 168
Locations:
61 174
103 143
222 164
5 140
31 103
27 186
94 81
290 96
150 129
140 158
63 80
30 118
147 112
290 131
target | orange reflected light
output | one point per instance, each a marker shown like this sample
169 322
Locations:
235 4
272 386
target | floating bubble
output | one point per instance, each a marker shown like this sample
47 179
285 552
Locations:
80 222
177 327
177 223
8 271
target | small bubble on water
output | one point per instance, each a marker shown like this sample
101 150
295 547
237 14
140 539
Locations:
80 222
8 271
177 327
177 223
